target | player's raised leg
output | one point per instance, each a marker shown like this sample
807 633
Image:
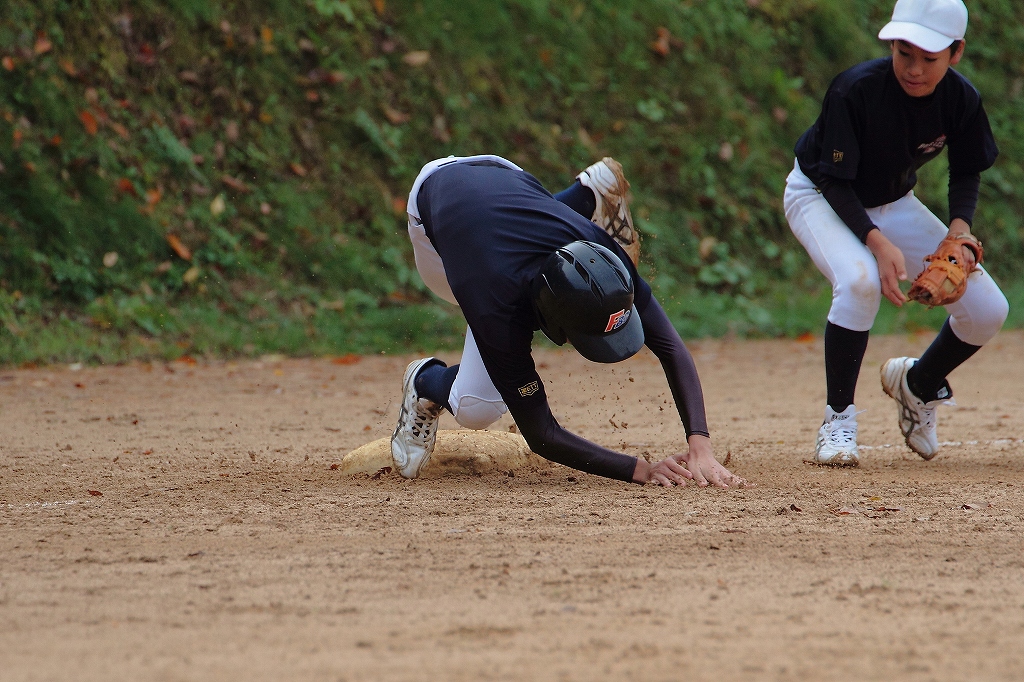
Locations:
611 191
919 387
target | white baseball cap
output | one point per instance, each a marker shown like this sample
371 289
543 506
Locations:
932 25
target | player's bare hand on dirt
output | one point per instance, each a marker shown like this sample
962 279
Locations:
668 472
892 267
698 464
704 468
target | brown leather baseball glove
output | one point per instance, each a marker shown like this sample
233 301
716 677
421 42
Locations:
944 278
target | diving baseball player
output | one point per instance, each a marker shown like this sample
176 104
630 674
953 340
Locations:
850 202
488 237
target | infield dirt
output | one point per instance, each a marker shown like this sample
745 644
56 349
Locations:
187 521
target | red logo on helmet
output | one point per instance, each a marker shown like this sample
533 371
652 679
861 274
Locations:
616 320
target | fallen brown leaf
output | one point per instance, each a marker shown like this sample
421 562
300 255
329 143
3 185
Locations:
845 511
183 251
347 359
89 122
235 184
43 45
416 58
661 44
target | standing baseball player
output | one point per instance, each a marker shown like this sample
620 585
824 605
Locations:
488 237
850 202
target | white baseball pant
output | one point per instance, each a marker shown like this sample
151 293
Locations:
853 271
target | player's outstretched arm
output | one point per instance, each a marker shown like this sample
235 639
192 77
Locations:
699 463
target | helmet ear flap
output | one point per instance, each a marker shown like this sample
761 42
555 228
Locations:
543 298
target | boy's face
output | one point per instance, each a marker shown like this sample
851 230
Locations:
917 71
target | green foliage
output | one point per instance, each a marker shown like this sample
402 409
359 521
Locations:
227 177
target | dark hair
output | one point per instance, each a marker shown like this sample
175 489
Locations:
954 46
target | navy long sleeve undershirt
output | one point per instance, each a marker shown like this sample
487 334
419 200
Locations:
549 440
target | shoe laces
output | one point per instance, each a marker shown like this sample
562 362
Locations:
842 432
424 418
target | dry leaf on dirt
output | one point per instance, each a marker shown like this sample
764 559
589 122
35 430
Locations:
347 359
845 511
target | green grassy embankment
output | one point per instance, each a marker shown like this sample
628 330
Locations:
229 178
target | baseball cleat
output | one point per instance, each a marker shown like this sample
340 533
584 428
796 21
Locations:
918 420
837 439
611 189
413 440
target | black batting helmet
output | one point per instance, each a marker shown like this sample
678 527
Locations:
584 294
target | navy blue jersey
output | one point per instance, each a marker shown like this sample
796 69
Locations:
493 228
874 135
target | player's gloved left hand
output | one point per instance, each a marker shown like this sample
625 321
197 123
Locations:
944 278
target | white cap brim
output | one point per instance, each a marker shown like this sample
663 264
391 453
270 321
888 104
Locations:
915 34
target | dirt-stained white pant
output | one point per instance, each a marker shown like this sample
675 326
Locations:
475 402
853 271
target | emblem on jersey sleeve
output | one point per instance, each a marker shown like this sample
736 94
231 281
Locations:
529 389
837 156
616 320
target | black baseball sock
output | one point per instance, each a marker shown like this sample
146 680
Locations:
580 199
844 353
946 353
434 382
